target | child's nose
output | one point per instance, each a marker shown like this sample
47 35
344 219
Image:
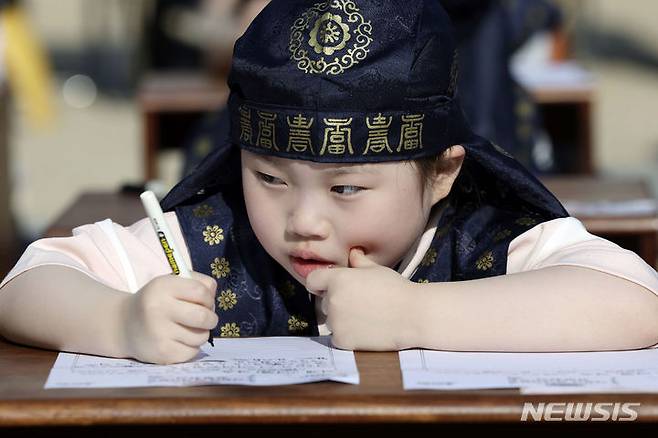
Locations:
308 220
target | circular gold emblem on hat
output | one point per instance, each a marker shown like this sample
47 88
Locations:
330 37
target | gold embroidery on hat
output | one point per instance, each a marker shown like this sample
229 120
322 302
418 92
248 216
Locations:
378 134
337 137
327 28
246 133
412 132
266 130
329 34
299 134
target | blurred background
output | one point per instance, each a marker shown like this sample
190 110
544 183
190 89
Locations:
110 96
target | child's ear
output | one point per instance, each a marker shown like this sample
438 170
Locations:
453 158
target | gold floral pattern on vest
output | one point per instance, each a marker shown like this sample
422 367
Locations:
295 324
227 299
230 330
213 235
220 267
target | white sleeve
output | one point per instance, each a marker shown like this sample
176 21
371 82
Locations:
566 242
124 258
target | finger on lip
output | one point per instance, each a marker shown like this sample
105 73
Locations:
358 248
318 293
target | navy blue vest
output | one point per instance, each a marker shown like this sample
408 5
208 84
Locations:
257 297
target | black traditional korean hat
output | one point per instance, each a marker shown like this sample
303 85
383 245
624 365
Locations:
353 81
346 81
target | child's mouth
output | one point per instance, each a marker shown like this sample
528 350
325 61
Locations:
303 267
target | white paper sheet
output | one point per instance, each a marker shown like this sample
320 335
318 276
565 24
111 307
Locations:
537 373
234 361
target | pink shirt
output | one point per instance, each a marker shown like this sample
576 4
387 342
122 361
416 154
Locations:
126 258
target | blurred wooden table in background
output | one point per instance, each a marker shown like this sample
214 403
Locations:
621 210
90 207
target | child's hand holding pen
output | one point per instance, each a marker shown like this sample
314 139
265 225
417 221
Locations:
169 318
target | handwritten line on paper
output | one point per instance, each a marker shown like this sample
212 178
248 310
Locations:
236 361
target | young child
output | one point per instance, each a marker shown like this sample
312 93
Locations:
351 174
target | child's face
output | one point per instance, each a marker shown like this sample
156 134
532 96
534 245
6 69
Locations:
327 209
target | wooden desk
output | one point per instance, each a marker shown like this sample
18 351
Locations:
602 204
123 209
377 404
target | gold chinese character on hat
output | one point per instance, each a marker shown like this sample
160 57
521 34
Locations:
337 137
378 134
411 136
267 130
299 134
246 132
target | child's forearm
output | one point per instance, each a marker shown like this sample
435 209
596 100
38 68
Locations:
553 309
60 308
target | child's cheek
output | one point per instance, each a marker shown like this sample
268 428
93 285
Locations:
386 241
374 246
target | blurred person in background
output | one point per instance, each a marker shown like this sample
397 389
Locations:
200 35
489 33
188 34
213 130
167 50
25 72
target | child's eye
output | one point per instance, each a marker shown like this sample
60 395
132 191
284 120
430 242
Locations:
268 179
347 190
